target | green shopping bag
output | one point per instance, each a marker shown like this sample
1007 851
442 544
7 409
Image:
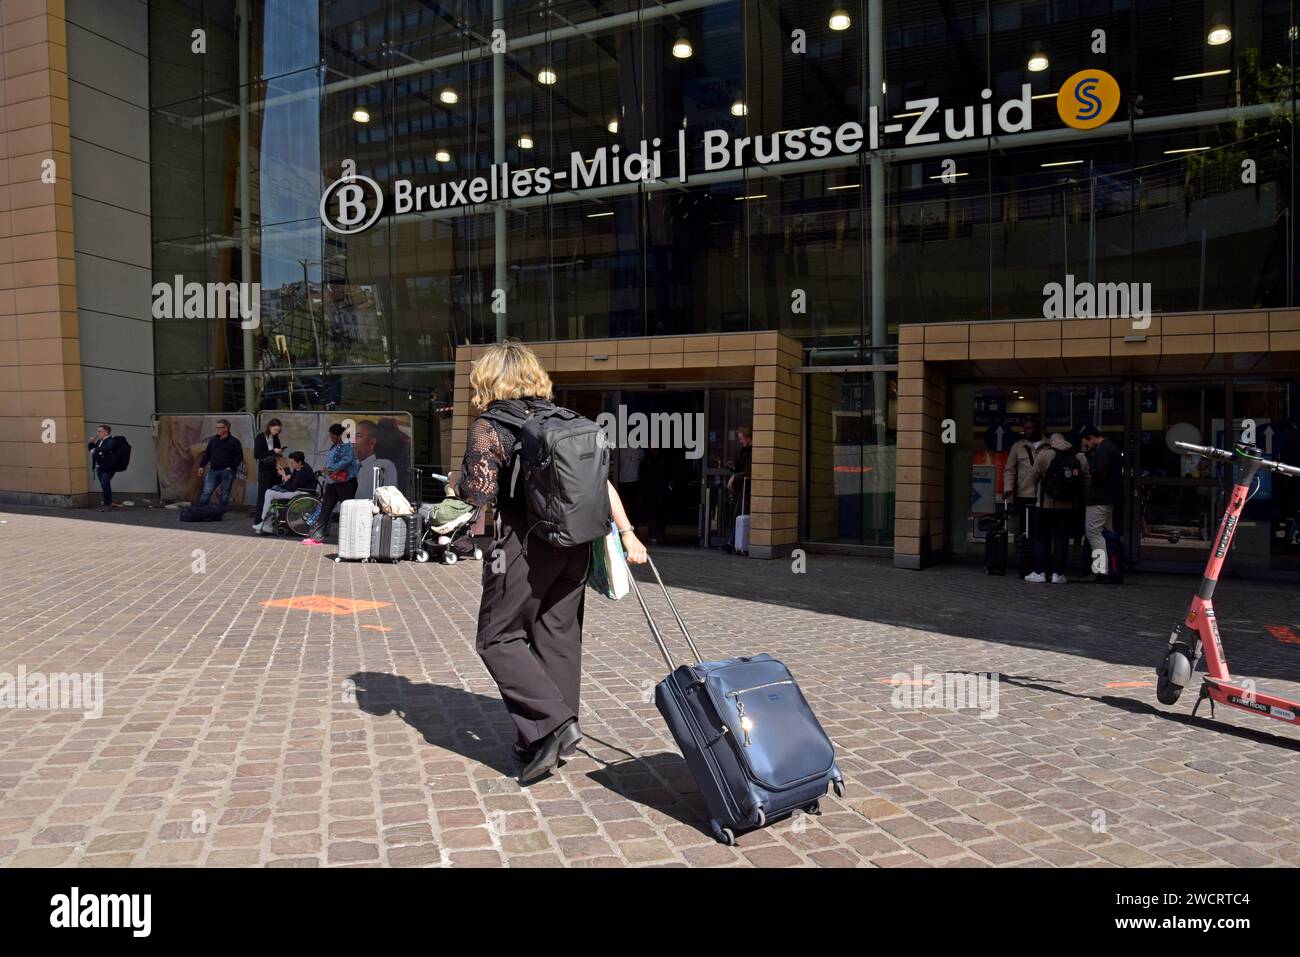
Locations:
608 573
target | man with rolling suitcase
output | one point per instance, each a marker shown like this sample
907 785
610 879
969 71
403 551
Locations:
1104 497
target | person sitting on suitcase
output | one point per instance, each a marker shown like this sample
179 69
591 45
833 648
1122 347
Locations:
530 615
294 481
1105 493
341 483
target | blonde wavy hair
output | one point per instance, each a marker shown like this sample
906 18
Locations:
507 370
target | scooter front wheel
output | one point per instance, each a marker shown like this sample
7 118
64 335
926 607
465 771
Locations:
1172 677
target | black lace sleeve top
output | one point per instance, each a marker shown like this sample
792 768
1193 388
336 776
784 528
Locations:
487 454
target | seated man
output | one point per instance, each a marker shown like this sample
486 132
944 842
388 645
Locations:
294 481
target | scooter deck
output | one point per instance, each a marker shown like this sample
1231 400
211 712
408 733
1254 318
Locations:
1250 697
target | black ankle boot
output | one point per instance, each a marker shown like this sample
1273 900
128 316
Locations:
547 754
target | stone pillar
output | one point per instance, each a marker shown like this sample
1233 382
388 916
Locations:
40 371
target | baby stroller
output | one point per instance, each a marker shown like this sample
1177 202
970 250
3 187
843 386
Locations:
444 524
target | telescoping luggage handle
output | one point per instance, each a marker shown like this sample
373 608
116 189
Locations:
654 629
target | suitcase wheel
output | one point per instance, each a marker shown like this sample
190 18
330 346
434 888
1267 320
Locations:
762 818
815 808
838 785
724 835
337 559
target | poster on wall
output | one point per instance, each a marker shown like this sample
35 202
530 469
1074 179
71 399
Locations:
179 442
380 438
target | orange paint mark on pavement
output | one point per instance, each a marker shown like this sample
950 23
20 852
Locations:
1129 684
924 682
331 604
1283 633
376 627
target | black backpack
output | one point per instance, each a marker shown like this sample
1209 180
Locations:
1063 480
563 461
121 454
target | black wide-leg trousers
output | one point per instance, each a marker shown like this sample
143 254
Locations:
530 629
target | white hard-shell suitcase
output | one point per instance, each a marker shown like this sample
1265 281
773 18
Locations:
356 522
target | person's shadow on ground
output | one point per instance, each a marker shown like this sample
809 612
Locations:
472 725
477 727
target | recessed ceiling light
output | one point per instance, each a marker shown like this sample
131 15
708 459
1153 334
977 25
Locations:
1202 76
525 142
546 76
442 156
361 115
1219 35
840 19
682 48
1038 63
739 108
448 95
612 125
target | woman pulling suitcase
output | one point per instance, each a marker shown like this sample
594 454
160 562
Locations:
530 615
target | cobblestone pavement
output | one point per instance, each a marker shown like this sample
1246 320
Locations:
237 732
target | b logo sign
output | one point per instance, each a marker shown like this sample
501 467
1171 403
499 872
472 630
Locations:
1088 99
343 206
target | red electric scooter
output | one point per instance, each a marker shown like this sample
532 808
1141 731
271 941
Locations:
1200 631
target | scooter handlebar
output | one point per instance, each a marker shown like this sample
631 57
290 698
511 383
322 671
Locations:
1209 451
1213 453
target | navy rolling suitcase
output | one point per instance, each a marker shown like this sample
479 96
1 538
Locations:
755 748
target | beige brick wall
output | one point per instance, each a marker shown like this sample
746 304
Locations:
767 359
40 361
1037 348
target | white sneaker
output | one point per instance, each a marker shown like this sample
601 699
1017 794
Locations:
257 529
1036 578
1059 580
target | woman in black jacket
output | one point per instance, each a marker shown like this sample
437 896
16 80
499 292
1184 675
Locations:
530 615
266 450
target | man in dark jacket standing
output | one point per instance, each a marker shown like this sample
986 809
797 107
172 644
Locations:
1105 492
104 456
217 467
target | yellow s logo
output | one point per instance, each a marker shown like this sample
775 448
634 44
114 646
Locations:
1088 99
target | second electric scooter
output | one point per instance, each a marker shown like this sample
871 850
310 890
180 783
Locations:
1199 631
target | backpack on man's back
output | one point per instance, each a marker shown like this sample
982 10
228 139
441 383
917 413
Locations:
1063 481
562 458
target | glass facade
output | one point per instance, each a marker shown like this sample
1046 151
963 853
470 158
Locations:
1187 188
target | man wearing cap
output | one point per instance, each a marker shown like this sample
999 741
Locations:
340 482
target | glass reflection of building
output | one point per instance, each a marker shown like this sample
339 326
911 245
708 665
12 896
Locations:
292 93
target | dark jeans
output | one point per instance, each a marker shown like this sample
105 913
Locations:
335 492
1049 544
105 485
